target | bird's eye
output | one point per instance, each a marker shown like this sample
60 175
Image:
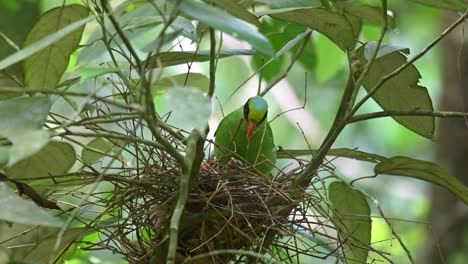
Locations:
246 111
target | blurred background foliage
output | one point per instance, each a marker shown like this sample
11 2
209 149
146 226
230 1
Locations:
319 79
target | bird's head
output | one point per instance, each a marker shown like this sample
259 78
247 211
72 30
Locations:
255 112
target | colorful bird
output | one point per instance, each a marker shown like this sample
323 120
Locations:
246 136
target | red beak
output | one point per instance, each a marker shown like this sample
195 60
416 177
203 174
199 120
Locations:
250 129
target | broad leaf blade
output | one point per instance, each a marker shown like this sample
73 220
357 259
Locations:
401 92
237 10
54 159
459 5
15 209
193 79
333 25
352 218
370 14
223 21
44 69
98 148
165 59
423 170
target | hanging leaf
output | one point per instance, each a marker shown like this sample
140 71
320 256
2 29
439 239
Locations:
44 69
369 14
237 10
401 92
351 216
26 144
334 26
185 27
98 148
193 79
42 252
225 22
423 170
459 5
56 158
166 59
15 209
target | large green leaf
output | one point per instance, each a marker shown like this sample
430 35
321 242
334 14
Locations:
42 252
370 14
6 81
193 79
43 43
333 25
44 69
165 59
231 142
423 170
22 119
56 158
237 10
459 5
401 92
98 148
15 209
352 218
225 22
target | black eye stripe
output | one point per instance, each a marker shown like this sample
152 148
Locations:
246 111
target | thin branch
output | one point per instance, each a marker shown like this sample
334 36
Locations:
212 62
441 114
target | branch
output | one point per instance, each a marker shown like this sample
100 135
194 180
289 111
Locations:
212 62
441 114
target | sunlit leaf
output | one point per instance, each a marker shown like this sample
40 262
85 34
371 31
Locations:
460 5
98 148
92 72
351 216
44 69
225 22
190 109
237 10
43 43
15 209
22 114
333 25
165 59
423 170
42 252
55 158
193 79
370 14
401 92
27 144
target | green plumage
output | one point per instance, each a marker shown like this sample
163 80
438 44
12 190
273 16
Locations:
231 142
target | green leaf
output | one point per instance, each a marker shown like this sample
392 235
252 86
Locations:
459 5
27 144
165 59
8 82
237 10
23 114
42 252
98 148
56 158
339 152
352 218
401 92
223 21
370 14
15 209
185 27
190 109
43 43
423 170
231 142
92 72
44 69
194 80
333 25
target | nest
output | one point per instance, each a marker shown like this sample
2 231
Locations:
229 207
